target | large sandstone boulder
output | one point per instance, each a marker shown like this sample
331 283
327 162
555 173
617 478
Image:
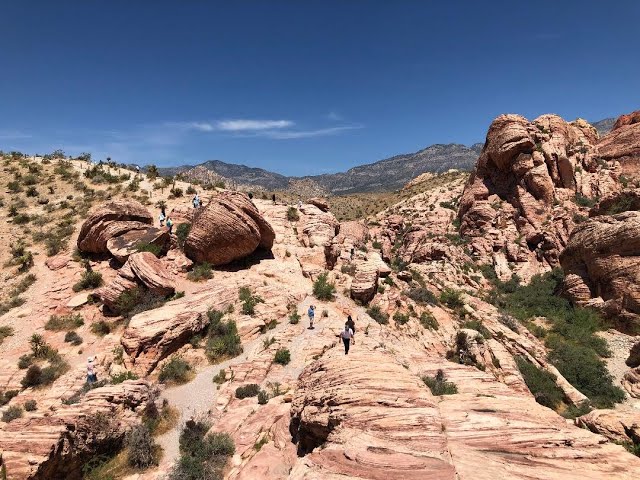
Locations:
603 259
228 228
522 195
111 220
321 203
317 228
122 246
365 281
152 273
56 444
622 144
620 425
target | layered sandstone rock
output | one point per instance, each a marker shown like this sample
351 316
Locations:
620 425
228 228
622 144
122 246
317 228
57 444
352 235
520 197
321 203
365 281
111 220
152 273
602 261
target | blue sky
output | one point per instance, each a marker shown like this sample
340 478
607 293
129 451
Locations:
302 87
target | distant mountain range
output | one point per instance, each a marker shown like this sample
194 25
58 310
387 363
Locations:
388 174
384 175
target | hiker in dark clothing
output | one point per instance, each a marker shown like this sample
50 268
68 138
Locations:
347 336
273 197
352 325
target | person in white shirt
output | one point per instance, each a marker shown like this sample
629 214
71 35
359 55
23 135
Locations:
347 336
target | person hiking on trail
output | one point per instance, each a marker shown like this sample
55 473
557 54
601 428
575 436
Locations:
170 225
312 313
250 195
196 201
162 217
91 371
299 204
347 337
273 197
352 325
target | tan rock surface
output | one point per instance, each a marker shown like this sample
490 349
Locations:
124 245
152 273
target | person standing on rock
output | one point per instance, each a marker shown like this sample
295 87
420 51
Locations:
312 313
196 201
162 217
347 337
170 225
273 197
352 325
91 371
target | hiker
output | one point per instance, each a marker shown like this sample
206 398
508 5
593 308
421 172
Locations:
312 313
299 204
353 251
250 195
162 217
170 225
196 201
352 325
273 197
91 371
347 336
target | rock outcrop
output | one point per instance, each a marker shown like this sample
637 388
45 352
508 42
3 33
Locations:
520 198
321 203
111 220
621 425
602 266
121 246
317 228
365 281
228 228
57 444
622 144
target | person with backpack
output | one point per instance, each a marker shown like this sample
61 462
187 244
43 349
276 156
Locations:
162 218
170 225
347 337
351 324
311 313
91 371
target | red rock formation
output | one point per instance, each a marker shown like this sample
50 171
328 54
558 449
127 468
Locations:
227 229
520 197
365 281
124 245
602 261
150 271
321 203
622 144
113 219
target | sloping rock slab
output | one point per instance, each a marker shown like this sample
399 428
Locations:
124 245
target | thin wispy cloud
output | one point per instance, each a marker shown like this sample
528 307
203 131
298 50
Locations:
294 134
241 125
13 135
334 116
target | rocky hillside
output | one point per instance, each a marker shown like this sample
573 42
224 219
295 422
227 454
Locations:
604 126
495 315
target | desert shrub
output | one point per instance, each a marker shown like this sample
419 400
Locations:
32 192
190 190
377 245
322 289
200 272
250 390
378 315
283 357
149 247
30 405
89 280
22 285
439 385
451 298
21 219
64 322
220 377
176 371
478 327
263 397
182 231
12 413
5 397
294 318
100 328
541 384
222 338
14 186
292 214
249 300
136 300
349 269
422 295
585 201
73 338
176 192
25 361
427 320
55 244
140 448
5 331
123 376
33 377
401 318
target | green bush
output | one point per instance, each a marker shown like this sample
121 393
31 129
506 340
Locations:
100 328
292 214
322 289
33 377
73 338
585 201
422 295
12 413
200 272
149 247
121 377
25 361
176 371
182 231
439 385
427 320
283 357
400 318
89 280
478 327
378 315
30 405
263 397
541 384
5 331
249 300
59 323
5 397
141 448
222 338
451 298
250 390
294 318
